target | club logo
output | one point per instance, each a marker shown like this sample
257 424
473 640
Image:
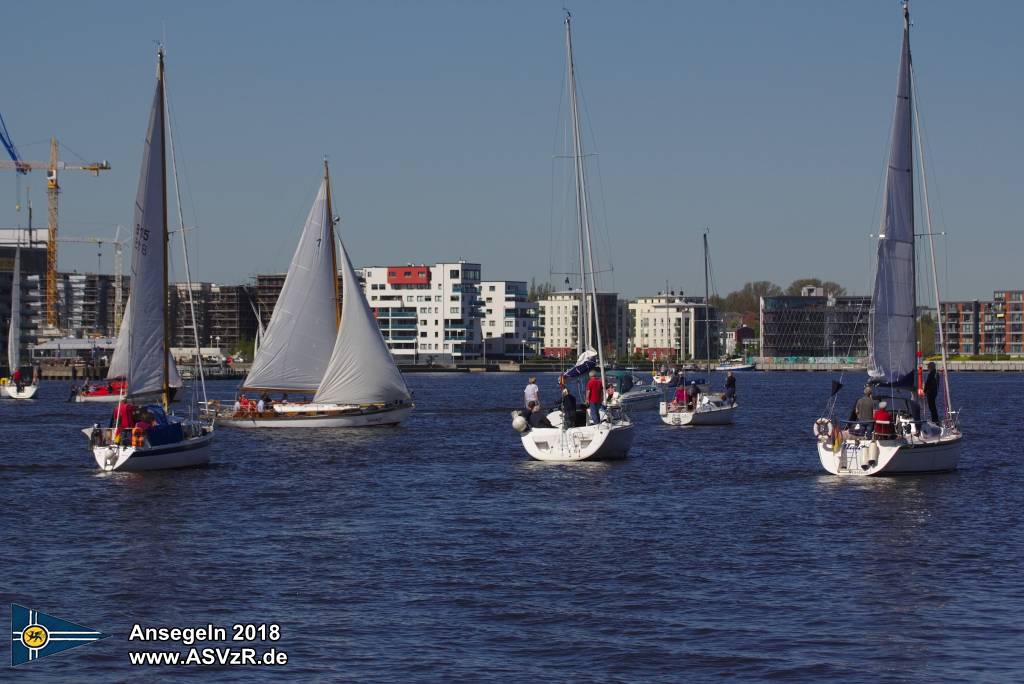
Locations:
35 635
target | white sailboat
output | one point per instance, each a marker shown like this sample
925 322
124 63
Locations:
27 390
311 348
905 444
710 408
611 437
149 437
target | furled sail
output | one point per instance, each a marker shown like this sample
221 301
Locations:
146 352
296 345
118 367
893 334
361 370
14 332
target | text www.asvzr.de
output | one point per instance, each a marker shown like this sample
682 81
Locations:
210 656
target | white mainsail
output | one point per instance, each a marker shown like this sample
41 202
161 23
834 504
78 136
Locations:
297 342
893 338
118 367
146 339
361 370
14 332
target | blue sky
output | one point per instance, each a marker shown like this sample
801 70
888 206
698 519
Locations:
766 121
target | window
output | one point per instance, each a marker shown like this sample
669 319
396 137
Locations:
454 310
454 273
491 288
373 298
423 322
423 334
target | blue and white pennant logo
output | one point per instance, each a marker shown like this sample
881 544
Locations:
35 635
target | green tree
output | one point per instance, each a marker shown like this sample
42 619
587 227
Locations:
831 289
926 334
748 298
539 292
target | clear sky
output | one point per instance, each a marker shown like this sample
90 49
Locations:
766 121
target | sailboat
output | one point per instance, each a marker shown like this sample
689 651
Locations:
113 389
709 408
156 439
904 444
611 437
311 347
27 390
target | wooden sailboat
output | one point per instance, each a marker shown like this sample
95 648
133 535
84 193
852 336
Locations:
336 356
904 444
20 390
149 437
611 437
710 408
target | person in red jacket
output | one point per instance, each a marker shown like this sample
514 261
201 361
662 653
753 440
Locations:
883 421
595 390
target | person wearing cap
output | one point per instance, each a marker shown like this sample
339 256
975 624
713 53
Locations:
691 395
532 392
595 392
864 411
931 391
883 420
568 407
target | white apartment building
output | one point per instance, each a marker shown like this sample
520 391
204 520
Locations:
510 323
559 318
672 327
427 313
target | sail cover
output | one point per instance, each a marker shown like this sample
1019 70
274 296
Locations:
118 367
146 353
361 370
893 334
14 333
297 343
584 364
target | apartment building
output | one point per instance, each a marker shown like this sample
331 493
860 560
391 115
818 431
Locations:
985 327
510 323
560 321
673 327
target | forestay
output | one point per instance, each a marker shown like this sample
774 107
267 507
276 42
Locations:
893 335
14 332
297 343
146 352
361 370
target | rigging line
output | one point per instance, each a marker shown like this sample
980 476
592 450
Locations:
559 135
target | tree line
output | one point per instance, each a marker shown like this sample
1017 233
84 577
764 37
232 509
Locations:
747 299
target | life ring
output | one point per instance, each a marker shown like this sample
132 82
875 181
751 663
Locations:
824 430
138 437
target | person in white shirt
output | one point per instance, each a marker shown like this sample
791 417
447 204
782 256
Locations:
531 393
260 405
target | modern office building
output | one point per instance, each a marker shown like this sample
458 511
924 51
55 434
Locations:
511 323
427 314
33 266
560 321
673 327
814 325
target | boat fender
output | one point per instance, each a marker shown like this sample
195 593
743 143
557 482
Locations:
663 408
824 430
519 424
873 452
96 436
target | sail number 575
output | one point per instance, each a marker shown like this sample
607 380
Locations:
142 238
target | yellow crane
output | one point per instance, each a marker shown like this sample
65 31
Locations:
52 190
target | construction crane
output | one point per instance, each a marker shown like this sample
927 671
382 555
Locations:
52 190
118 264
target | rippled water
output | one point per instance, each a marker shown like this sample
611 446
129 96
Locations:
438 551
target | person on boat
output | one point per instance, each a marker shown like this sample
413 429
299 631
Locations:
595 390
531 392
931 392
260 405
16 379
123 419
679 399
535 417
730 388
864 411
37 373
568 407
284 398
692 394
883 421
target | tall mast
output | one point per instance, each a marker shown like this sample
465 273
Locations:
581 196
334 251
163 227
707 304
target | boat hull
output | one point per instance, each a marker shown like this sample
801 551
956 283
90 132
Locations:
339 420
641 399
721 415
737 367
601 442
27 391
185 454
896 457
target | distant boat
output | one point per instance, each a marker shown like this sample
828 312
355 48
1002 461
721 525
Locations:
631 394
906 443
611 437
309 347
735 365
710 408
157 439
27 390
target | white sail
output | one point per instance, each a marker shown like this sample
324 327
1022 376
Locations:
118 367
893 333
297 342
361 370
146 352
14 333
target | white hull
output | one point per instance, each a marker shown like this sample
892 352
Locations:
707 415
601 442
392 417
893 457
97 399
190 452
27 391
645 398
736 367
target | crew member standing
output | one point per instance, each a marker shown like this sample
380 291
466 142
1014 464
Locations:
931 391
595 390
532 392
